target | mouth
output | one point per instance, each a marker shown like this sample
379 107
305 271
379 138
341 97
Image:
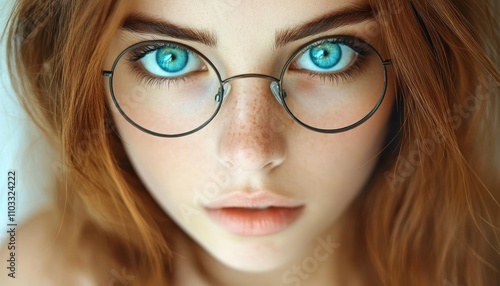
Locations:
254 215
253 222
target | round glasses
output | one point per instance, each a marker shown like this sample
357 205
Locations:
168 89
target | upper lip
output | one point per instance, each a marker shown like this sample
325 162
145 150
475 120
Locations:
260 200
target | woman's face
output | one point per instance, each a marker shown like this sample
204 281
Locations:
253 188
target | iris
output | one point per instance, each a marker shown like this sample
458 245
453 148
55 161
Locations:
172 59
325 55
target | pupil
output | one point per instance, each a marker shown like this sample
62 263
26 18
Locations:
326 55
172 59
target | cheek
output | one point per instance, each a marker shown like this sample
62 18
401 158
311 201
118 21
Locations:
343 162
171 169
161 158
331 170
150 154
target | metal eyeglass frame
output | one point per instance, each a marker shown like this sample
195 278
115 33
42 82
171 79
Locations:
276 87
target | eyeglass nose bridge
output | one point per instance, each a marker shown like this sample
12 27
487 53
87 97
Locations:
275 86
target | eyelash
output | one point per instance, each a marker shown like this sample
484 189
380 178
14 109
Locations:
144 76
359 46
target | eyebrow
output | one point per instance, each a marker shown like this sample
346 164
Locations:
140 23
353 14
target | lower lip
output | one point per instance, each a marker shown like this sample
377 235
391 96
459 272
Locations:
253 222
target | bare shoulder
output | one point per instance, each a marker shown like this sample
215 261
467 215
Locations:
35 255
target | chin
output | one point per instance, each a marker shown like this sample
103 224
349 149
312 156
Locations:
256 263
252 254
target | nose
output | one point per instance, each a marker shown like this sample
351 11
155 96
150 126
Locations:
252 137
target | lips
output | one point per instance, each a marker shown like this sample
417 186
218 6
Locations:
263 213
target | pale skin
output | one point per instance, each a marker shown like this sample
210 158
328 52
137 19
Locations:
253 144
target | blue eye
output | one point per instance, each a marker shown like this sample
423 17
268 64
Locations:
171 61
326 57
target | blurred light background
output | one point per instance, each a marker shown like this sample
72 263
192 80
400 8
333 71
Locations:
22 149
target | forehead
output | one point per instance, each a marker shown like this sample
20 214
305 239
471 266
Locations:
259 18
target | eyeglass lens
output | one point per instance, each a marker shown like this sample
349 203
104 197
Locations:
169 88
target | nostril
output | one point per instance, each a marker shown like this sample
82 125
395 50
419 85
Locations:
251 149
247 162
